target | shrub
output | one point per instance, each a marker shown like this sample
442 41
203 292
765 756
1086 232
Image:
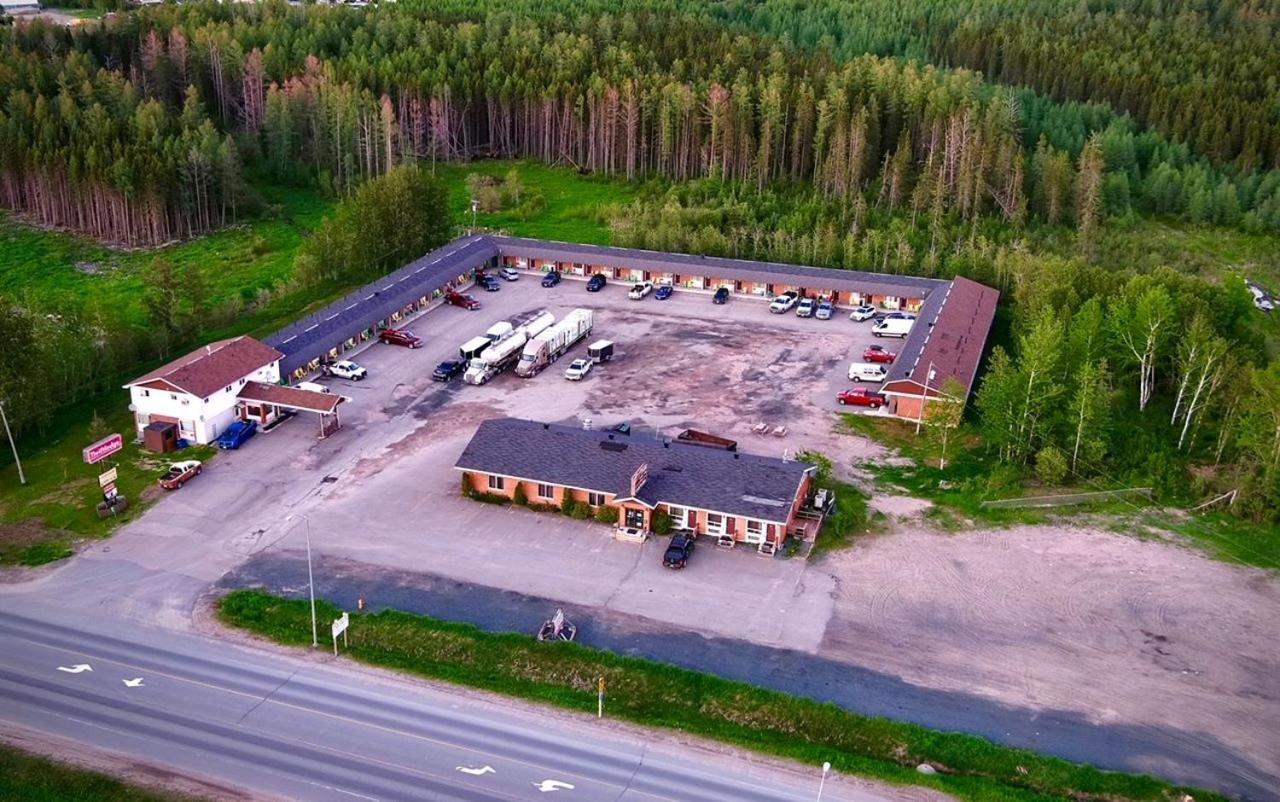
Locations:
579 511
518 497
566 502
1051 466
607 515
660 522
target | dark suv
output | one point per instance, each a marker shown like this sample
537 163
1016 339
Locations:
596 283
677 554
721 296
551 279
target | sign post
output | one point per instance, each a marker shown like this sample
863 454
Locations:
339 627
600 699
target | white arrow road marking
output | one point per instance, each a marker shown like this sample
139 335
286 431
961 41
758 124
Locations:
132 683
552 785
477 772
76 669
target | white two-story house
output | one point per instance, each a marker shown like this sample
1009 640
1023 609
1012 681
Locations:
199 391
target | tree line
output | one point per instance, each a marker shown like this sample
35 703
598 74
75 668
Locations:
341 95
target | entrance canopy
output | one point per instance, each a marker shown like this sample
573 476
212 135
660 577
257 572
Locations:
291 398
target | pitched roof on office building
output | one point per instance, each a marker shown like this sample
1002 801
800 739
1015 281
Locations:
683 475
949 336
207 370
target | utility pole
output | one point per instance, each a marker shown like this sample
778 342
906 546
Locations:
475 205
22 477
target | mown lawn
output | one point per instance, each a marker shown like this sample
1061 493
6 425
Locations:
660 695
30 778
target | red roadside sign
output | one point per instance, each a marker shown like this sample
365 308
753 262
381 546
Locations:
97 452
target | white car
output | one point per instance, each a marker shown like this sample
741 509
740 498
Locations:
509 273
346 369
806 308
783 302
861 313
577 369
640 290
825 309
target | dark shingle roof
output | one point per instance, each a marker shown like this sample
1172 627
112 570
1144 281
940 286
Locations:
683 475
312 336
219 364
814 278
951 340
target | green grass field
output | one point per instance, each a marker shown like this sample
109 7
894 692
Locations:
661 695
30 778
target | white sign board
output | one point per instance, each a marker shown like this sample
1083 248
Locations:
339 627
107 477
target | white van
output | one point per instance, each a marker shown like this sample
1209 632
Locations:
893 327
866 372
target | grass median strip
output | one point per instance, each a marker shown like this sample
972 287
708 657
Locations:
661 695
32 778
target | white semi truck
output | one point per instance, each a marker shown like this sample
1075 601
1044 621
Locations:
548 346
506 352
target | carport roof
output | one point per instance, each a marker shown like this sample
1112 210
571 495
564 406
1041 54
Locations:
813 278
290 397
754 486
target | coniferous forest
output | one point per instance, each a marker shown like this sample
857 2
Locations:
938 138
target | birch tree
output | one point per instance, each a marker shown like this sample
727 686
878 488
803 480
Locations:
1141 326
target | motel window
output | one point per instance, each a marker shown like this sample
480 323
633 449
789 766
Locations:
715 523
546 491
496 483
679 517
754 527
595 499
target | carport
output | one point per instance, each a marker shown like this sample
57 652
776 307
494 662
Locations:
269 404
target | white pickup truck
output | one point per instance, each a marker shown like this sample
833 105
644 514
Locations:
784 302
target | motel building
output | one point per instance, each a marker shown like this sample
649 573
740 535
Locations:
202 393
752 499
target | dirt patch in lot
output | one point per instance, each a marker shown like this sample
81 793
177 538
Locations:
463 416
1119 629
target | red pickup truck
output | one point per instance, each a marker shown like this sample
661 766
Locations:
400 337
179 473
458 299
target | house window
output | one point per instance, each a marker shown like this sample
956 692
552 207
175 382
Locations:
595 499
242 382
228 388
146 393
173 396
679 517
496 483
546 491
715 523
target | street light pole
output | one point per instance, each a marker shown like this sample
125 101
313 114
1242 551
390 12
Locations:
311 586
826 767
22 477
311 583
920 417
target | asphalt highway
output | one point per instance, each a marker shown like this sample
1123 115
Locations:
272 724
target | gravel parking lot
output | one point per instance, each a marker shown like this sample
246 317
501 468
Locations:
1024 619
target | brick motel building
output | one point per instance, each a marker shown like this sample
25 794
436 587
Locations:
752 499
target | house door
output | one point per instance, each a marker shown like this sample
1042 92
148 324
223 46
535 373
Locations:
635 519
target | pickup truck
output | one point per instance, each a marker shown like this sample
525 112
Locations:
458 299
678 552
640 290
237 434
806 308
179 473
784 302
400 337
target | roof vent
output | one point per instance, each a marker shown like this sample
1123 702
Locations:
546 425
611 446
673 468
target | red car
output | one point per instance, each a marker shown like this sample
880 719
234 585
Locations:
458 299
861 397
400 337
876 353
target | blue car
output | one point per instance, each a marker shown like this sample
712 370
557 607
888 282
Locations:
663 292
236 434
551 279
